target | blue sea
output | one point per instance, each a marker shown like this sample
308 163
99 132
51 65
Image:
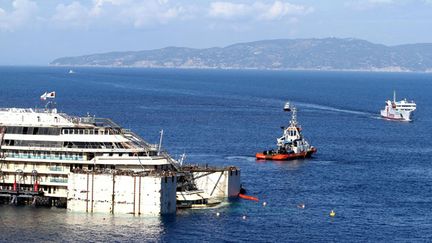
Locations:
375 174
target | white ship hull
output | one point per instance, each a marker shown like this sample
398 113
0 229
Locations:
396 115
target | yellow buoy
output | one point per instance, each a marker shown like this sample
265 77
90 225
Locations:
332 213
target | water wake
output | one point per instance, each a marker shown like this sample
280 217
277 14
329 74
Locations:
333 109
241 158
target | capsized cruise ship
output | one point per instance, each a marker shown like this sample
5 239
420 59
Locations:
92 164
398 110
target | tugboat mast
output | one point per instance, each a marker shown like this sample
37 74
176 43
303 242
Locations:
293 121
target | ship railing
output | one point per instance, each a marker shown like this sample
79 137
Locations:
172 161
56 168
81 149
106 122
74 146
163 173
137 140
29 110
50 157
21 110
59 180
43 145
77 119
41 110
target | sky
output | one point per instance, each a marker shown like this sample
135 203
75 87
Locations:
36 32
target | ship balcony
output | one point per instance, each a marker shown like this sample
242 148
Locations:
39 170
63 182
57 194
53 181
57 184
60 181
26 157
93 149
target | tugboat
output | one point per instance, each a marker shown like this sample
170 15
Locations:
291 145
398 110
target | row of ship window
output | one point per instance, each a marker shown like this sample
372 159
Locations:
66 156
58 131
48 189
78 131
44 155
41 179
59 144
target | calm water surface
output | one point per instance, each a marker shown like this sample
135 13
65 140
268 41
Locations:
375 174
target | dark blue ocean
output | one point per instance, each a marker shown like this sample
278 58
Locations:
375 174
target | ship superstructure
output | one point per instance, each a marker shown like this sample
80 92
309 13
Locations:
398 110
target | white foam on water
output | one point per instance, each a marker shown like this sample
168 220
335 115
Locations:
323 162
329 108
241 158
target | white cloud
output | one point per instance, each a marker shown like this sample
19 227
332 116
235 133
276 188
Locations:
229 10
74 13
144 13
368 4
99 6
152 12
257 10
137 13
279 9
380 1
22 12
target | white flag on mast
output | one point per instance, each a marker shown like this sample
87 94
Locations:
43 97
51 95
46 95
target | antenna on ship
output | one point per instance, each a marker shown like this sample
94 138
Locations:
294 116
182 159
160 141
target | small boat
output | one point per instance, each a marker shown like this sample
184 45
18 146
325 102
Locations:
291 145
195 199
71 71
398 110
287 107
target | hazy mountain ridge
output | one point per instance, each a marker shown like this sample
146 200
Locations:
309 54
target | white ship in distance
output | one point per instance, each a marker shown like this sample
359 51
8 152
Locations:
398 110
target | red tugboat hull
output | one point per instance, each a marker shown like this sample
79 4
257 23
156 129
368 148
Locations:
301 155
